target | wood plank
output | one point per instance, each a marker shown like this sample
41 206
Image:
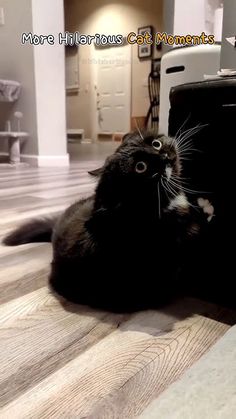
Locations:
64 361
132 357
25 271
22 171
40 334
5 250
175 353
76 191
81 178
15 191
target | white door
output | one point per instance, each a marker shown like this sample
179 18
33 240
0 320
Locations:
113 89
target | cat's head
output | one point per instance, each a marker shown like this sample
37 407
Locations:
150 155
141 163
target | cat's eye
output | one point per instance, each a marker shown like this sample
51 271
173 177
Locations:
157 144
141 167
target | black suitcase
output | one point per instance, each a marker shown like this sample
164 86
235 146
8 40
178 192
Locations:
210 169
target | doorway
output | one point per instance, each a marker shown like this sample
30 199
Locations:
113 90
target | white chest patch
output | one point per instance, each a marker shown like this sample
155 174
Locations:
180 201
168 172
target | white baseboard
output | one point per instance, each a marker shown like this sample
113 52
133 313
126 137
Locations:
46 161
43 161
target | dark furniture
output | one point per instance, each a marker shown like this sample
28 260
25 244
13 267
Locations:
154 96
211 169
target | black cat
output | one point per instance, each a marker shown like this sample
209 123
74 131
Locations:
121 249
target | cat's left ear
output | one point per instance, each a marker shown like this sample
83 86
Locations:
127 137
96 172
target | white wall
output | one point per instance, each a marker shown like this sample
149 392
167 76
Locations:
48 18
195 16
108 17
228 53
41 71
189 17
17 63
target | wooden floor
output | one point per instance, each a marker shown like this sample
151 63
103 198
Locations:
59 360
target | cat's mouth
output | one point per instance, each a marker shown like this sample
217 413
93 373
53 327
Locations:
165 172
168 172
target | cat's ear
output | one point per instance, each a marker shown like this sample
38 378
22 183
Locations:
127 137
133 136
96 172
99 171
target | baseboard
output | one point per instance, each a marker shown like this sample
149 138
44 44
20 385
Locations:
104 136
46 161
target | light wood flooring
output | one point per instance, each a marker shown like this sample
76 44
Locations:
60 360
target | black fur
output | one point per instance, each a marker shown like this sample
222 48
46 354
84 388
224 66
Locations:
96 172
121 248
32 232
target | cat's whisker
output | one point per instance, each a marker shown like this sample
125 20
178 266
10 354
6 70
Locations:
188 190
165 190
180 180
185 144
167 179
194 206
186 134
177 185
155 175
181 141
139 131
169 187
182 126
186 156
179 177
184 159
173 189
159 200
188 152
188 143
188 148
173 142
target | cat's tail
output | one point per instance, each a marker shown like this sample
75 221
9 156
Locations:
35 231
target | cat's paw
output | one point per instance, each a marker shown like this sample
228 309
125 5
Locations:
207 208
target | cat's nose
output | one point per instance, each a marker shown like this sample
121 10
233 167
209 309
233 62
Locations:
164 156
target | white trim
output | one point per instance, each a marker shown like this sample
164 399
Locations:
42 161
46 161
